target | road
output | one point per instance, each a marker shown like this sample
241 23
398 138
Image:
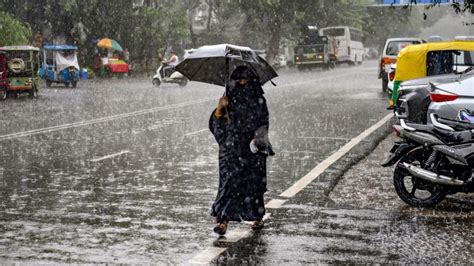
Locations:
118 171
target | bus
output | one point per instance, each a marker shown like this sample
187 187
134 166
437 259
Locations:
350 48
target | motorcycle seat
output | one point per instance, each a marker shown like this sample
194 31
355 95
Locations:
448 137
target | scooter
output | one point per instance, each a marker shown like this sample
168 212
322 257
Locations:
174 77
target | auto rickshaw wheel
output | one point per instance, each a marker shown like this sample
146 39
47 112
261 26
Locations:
384 84
3 93
33 91
48 83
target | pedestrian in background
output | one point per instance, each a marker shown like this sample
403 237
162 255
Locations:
126 55
240 126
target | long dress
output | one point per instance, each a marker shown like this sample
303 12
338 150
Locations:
242 174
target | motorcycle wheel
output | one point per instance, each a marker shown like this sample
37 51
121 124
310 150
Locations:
156 82
66 84
48 83
3 94
183 82
414 191
74 84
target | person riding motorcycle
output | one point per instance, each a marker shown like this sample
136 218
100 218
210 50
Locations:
170 64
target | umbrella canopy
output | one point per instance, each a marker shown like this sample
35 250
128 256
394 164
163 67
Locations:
109 44
214 63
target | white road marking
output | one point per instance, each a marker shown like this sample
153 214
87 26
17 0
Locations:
196 132
101 120
234 236
324 138
275 203
311 81
110 156
206 256
320 168
305 152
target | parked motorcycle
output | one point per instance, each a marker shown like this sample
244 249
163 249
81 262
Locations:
162 75
432 160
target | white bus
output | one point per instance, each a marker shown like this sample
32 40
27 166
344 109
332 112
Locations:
350 48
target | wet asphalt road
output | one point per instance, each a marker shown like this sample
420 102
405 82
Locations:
118 171
360 220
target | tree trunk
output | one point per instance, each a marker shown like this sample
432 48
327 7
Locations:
274 43
209 14
193 36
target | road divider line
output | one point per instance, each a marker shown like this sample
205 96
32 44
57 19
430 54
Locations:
311 80
195 132
320 168
209 254
324 138
110 156
275 203
102 119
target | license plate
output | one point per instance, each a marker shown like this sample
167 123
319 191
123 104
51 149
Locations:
309 56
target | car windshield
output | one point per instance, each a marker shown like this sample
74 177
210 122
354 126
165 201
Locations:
393 48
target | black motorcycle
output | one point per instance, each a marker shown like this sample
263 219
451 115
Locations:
432 160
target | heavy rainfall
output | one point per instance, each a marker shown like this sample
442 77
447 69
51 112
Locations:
301 132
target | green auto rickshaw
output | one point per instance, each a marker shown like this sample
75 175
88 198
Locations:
22 69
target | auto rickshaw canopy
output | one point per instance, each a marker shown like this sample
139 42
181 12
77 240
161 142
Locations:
59 47
19 48
412 60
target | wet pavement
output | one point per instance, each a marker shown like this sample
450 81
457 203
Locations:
361 220
118 171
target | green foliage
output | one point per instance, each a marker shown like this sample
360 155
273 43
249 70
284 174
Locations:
149 27
12 31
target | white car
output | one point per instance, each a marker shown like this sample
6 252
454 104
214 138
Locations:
389 56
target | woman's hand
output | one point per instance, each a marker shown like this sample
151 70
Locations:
253 146
223 103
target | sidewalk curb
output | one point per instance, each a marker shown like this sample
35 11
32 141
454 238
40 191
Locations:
328 180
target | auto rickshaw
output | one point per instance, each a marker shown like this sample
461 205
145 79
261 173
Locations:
3 76
22 64
60 65
429 59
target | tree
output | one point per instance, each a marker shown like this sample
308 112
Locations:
13 31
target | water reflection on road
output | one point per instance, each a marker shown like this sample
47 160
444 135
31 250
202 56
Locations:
137 188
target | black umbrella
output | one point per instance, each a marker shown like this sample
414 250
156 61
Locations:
214 63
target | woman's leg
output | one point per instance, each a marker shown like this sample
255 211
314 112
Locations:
221 227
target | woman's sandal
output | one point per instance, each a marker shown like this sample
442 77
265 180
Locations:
257 225
221 228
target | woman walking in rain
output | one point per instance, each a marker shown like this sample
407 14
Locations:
240 127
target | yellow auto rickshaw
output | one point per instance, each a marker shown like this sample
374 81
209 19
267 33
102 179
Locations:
429 59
